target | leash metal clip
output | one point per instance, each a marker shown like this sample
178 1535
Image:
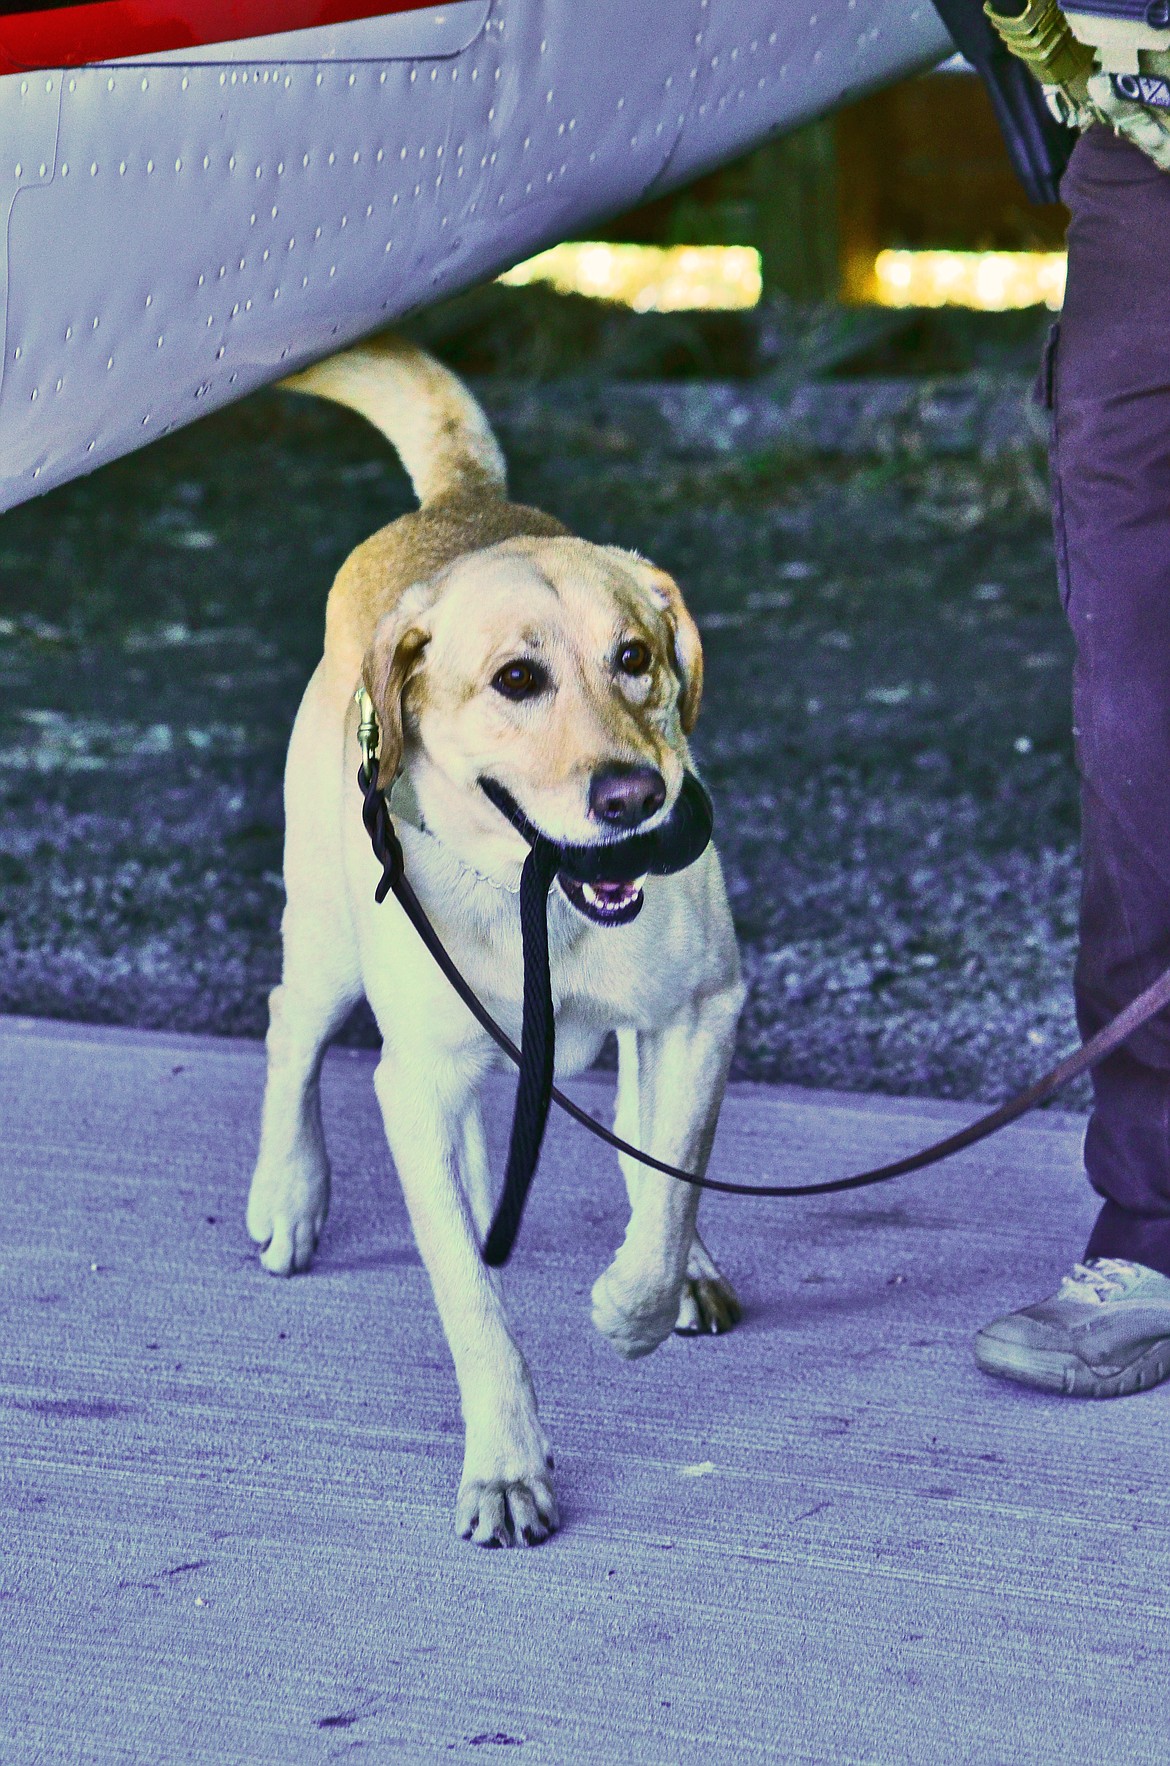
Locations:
369 735
375 809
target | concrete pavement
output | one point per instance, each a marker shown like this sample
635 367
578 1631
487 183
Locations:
225 1500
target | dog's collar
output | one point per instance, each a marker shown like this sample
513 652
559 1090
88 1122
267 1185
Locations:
460 863
671 847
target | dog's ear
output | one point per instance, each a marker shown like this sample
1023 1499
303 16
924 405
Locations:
389 664
666 596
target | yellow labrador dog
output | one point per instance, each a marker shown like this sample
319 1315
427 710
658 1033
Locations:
493 642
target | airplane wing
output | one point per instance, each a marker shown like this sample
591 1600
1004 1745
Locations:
202 195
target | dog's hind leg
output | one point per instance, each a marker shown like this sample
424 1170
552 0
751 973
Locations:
320 982
289 1195
709 1304
505 1494
670 1088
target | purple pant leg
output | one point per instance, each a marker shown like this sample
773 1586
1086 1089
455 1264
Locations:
1111 502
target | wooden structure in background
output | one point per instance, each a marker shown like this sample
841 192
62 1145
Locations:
923 165
918 165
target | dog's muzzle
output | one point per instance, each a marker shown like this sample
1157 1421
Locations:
604 880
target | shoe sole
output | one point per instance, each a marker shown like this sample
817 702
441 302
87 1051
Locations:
1050 1371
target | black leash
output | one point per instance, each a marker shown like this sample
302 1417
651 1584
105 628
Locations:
535 1090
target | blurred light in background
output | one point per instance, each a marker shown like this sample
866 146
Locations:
649 278
682 278
990 281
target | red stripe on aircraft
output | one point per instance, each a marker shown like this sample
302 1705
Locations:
106 30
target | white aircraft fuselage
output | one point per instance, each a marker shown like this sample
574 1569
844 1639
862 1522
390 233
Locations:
190 213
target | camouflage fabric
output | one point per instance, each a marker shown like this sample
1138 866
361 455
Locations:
1106 63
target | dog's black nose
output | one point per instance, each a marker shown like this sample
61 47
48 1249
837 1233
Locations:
621 795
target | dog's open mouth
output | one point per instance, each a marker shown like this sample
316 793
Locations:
580 870
606 904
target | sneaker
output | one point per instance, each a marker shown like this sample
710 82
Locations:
1103 1334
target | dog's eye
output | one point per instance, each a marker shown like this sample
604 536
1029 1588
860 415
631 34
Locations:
634 657
520 680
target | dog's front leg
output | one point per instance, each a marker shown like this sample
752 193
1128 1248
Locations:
672 1098
505 1494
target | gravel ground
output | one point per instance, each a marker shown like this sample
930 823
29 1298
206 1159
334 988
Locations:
885 731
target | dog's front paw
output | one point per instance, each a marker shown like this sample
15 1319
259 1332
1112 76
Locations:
506 1511
635 1317
285 1219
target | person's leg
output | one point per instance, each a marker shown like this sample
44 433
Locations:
1111 502
1106 1332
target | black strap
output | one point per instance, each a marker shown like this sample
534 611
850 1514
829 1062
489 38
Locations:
1147 1005
537 1053
1039 146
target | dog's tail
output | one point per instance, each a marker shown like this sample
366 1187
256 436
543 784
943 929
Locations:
442 437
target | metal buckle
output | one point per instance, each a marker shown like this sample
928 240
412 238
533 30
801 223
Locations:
369 735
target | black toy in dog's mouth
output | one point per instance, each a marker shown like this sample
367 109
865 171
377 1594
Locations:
604 880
